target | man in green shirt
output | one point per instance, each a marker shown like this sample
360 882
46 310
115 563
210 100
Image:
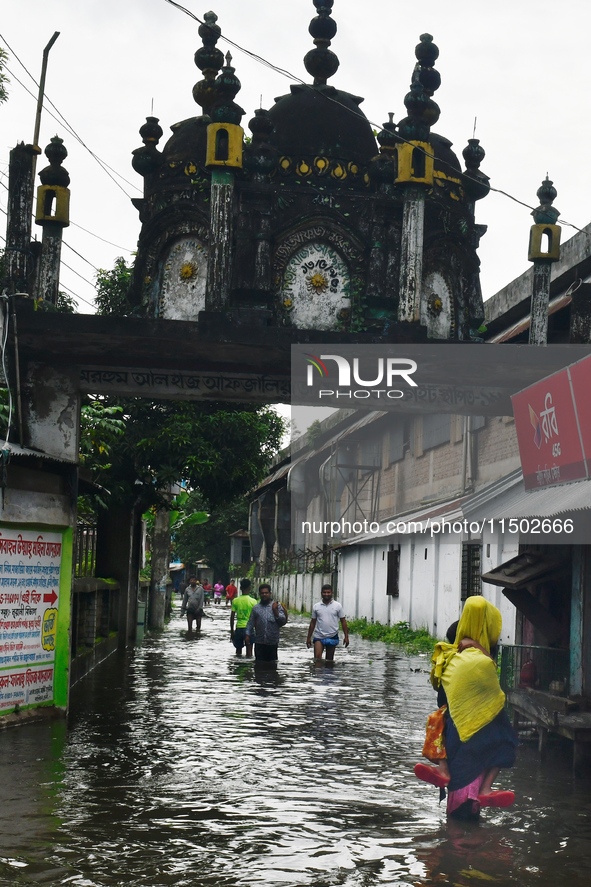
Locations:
241 607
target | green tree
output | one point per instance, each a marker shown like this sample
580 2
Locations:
3 78
182 514
211 540
5 412
222 451
66 304
102 428
112 289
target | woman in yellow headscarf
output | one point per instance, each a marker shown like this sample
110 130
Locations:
479 740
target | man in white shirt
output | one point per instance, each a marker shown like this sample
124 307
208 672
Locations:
324 625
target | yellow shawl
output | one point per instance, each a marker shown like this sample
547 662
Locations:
469 678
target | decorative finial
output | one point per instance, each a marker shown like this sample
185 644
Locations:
55 174
227 85
423 112
209 60
473 155
387 137
545 213
148 159
259 156
321 63
476 182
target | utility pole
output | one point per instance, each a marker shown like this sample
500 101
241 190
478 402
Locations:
21 189
41 95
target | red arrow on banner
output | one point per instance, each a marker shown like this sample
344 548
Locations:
50 598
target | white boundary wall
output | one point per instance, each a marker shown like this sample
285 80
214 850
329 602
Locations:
429 582
298 591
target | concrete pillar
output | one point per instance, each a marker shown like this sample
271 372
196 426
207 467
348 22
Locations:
580 315
53 214
18 267
263 265
411 255
49 264
117 557
51 411
538 330
219 264
544 249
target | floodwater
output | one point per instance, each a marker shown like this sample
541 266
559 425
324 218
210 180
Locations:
183 765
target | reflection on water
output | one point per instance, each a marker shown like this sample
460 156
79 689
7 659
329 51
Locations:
187 766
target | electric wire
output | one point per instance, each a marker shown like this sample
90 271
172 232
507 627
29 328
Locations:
80 256
62 285
105 166
285 73
76 296
64 122
77 273
98 237
255 57
92 234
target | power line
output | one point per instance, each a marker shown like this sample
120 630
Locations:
63 286
285 73
98 237
116 245
64 122
76 296
105 166
77 273
80 256
84 259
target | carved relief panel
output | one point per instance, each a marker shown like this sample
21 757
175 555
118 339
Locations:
182 295
315 287
437 312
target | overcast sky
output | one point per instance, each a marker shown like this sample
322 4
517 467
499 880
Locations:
521 68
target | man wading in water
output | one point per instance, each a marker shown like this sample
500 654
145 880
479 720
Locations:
266 618
324 625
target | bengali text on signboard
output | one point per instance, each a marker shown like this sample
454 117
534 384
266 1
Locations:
30 564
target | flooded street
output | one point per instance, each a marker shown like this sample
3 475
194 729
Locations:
189 766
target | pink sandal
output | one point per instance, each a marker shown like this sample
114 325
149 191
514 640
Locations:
431 775
497 799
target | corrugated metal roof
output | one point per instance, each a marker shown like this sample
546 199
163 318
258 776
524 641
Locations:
281 472
450 510
271 478
543 503
16 450
502 499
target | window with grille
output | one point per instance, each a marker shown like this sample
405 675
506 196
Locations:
396 443
436 430
471 569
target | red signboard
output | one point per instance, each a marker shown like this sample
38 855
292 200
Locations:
548 430
580 376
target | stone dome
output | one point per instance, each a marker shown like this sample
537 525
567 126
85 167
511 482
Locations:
321 122
187 142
